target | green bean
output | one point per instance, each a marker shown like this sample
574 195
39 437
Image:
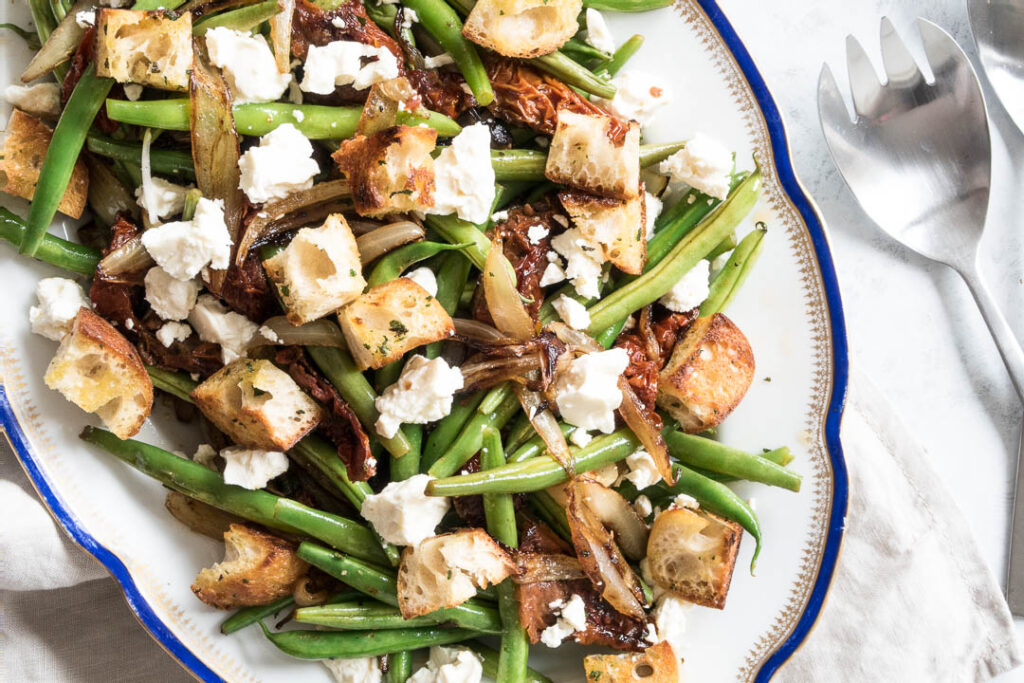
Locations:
489 658
341 371
518 434
538 473
449 428
58 9
241 19
494 398
384 14
622 55
535 445
457 231
349 644
316 122
732 276
250 615
726 245
383 586
30 38
43 18
387 375
441 22
399 667
552 513
707 454
52 249
581 52
175 383
392 265
451 272
163 161
192 197
653 284
203 484
500 514
718 498
360 616
561 66
409 464
471 438
627 5
529 164
62 153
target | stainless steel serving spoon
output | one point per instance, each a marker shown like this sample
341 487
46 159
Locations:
917 157
998 27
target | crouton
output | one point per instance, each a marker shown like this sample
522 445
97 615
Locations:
522 28
318 272
146 47
257 569
24 150
692 553
595 153
708 374
390 319
445 571
390 171
257 404
98 370
198 516
656 664
617 225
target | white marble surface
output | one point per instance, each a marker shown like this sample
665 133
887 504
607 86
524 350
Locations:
913 326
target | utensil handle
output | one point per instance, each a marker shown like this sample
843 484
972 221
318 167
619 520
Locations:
1006 341
1015 573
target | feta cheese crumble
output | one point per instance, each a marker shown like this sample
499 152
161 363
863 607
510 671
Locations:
652 209
133 91
422 394
440 60
638 96
183 248
214 323
403 513
357 670
464 177
252 468
170 298
248 65
167 198
704 164
572 617
669 617
684 500
642 470
42 99
572 312
690 291
553 273
583 262
281 164
450 665
598 34
535 233
86 18
580 437
60 299
172 332
344 62
425 278
206 456
587 393
643 506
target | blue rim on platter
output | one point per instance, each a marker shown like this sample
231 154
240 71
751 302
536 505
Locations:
840 370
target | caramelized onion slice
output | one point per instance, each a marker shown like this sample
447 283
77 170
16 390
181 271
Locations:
617 514
376 243
503 302
635 415
476 331
61 44
281 34
600 557
321 332
128 259
538 567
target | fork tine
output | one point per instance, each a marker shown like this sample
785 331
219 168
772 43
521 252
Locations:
831 109
897 61
864 84
940 48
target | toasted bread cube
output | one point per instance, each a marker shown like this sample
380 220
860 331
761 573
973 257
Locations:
595 153
99 370
257 405
28 138
390 171
692 553
146 47
445 571
707 376
656 664
522 28
390 319
318 272
257 569
618 225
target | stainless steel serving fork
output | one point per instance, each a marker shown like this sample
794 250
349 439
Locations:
917 157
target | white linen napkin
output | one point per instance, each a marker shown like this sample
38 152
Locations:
910 600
